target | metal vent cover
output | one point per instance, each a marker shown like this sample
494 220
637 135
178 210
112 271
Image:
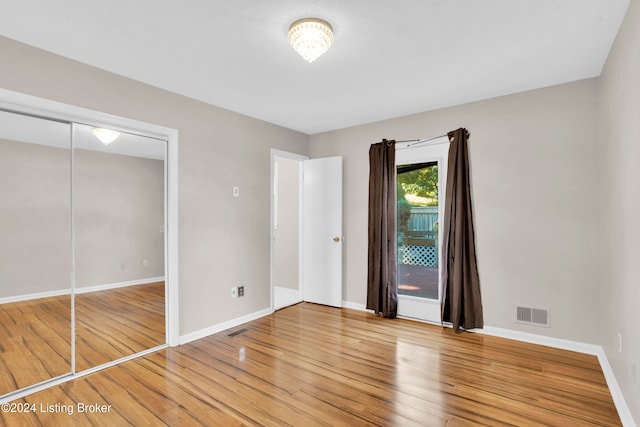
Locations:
532 316
238 332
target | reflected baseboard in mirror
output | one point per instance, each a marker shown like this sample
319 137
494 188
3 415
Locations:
116 323
119 240
77 212
35 341
35 335
35 250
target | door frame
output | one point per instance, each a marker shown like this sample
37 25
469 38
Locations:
416 308
40 107
300 158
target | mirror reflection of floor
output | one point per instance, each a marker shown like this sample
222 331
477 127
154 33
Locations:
120 322
35 341
35 335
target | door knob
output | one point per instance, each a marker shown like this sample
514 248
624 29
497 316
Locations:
336 239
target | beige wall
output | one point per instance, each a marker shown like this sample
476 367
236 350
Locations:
118 218
534 171
287 235
35 219
118 215
223 241
536 165
619 156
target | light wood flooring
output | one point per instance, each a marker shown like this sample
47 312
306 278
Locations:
35 341
115 323
310 365
35 335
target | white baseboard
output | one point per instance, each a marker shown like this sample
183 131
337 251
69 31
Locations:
355 306
540 340
579 347
83 290
96 288
202 333
27 297
595 350
616 393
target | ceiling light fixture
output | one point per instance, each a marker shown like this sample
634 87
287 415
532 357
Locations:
310 37
106 136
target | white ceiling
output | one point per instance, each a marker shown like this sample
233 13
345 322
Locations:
390 57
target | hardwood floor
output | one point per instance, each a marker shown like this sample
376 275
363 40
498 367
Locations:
310 365
35 341
115 323
35 335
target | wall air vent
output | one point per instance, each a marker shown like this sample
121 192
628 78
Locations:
236 333
532 316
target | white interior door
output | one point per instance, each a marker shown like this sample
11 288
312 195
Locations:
322 231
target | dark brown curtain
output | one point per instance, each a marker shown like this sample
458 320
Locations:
382 289
461 302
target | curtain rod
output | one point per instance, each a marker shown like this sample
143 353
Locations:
420 141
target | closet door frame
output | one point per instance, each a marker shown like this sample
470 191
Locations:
38 107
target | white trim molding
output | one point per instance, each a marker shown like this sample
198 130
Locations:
15 101
616 393
596 350
539 339
83 290
214 329
355 306
300 158
38 295
108 286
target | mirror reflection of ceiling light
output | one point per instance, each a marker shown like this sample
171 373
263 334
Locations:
310 37
106 136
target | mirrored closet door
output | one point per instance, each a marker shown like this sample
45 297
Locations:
35 251
119 245
82 248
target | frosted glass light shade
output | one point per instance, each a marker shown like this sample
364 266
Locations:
106 136
310 37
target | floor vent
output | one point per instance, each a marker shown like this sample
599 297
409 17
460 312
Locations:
238 332
532 316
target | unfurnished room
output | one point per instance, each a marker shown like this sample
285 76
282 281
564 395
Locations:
313 212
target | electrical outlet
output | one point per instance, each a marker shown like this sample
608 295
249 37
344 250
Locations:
240 291
236 191
145 263
234 292
619 342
